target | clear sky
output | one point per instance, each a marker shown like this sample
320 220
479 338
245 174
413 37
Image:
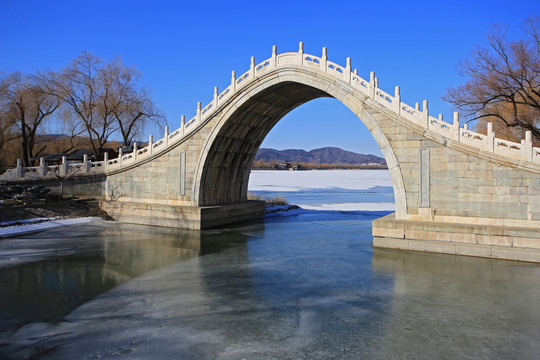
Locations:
185 48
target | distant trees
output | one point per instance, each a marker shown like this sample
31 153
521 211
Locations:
93 98
503 83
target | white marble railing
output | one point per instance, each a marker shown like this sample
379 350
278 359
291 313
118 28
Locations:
523 151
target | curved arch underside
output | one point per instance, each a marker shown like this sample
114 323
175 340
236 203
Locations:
226 171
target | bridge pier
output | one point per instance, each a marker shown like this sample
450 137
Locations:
488 241
182 217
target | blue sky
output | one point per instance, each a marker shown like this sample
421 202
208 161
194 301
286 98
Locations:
183 49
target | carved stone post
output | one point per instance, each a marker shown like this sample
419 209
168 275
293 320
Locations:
183 125
527 148
86 164
42 167
397 101
19 170
216 98
456 126
490 138
63 167
348 70
372 85
199 110
233 81
425 111
252 68
300 53
120 156
324 60
106 161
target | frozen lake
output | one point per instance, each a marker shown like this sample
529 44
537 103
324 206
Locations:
299 285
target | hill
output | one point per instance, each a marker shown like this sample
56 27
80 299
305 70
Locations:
326 155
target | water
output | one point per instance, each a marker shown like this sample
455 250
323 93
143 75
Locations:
306 285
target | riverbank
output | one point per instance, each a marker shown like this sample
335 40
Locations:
24 219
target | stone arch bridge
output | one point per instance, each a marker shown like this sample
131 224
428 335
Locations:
456 191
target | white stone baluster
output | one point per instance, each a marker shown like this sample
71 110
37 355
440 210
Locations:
527 147
324 60
348 70
150 144
19 170
106 161
252 68
120 156
135 150
397 100
63 167
425 111
273 60
166 137
216 97
86 164
233 81
42 167
372 86
456 126
199 109
301 53
183 125
490 137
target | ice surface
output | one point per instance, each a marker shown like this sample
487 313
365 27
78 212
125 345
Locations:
353 206
273 180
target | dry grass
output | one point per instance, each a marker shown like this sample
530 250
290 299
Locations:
269 200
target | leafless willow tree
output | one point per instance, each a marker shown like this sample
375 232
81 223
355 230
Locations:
85 92
503 82
132 107
7 120
104 98
25 106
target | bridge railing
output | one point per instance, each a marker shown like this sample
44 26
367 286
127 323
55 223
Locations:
523 151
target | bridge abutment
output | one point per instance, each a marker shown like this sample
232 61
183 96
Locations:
488 241
182 217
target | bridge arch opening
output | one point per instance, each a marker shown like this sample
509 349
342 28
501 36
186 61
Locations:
224 167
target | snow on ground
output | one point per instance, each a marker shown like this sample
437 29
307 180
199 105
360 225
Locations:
273 180
30 227
25 221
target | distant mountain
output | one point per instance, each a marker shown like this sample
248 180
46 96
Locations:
326 155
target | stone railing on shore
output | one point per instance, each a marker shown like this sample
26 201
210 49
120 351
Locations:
523 151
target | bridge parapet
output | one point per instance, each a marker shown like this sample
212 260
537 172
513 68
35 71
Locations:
523 151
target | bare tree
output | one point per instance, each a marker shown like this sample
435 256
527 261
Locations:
133 107
26 105
105 98
85 90
503 83
7 120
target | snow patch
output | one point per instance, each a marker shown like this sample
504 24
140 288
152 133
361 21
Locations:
32 227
